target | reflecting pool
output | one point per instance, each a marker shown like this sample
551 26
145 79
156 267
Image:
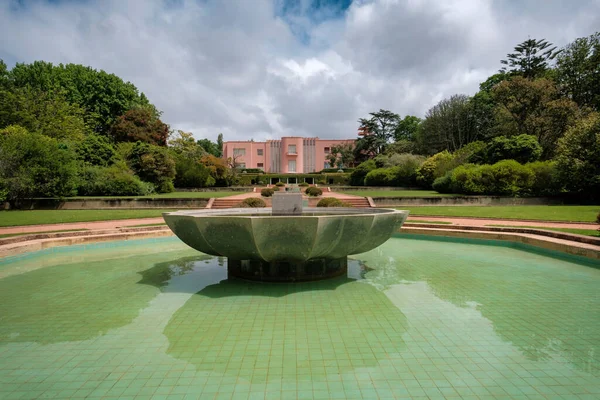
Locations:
413 319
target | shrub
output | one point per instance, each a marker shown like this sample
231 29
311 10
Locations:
379 177
578 157
357 178
191 174
33 165
510 178
267 192
443 184
116 180
466 179
280 184
332 202
521 148
96 150
314 191
434 167
252 202
303 184
546 180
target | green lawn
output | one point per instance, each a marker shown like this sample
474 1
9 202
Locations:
540 213
585 232
40 217
174 195
397 193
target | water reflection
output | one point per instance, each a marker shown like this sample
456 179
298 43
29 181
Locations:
545 307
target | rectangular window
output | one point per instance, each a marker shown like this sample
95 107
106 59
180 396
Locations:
259 165
259 152
327 150
292 166
325 164
239 152
241 165
291 149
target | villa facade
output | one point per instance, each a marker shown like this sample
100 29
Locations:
291 154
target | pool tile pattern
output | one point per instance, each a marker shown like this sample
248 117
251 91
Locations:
415 319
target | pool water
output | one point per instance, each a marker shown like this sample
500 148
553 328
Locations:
413 319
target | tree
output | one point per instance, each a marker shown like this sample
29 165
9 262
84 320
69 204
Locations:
218 168
46 113
341 156
140 124
530 58
95 150
448 125
578 71
533 107
104 97
522 148
483 104
184 144
376 132
32 165
220 145
153 164
578 157
407 128
210 147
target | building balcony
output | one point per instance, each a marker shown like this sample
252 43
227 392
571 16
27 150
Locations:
291 154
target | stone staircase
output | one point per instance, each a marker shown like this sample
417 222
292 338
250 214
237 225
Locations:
359 202
224 202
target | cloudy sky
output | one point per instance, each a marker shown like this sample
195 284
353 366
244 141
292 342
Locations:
269 68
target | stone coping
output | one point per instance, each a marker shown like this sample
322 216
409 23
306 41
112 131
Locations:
34 242
267 212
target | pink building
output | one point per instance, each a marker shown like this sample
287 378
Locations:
291 154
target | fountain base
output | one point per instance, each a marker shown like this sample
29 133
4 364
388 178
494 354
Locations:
287 271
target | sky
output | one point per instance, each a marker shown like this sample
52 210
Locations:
262 69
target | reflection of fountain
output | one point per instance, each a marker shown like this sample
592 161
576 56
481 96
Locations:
288 243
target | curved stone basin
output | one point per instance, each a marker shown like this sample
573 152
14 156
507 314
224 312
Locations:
323 234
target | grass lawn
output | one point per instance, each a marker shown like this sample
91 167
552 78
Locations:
586 232
397 193
174 195
40 217
541 213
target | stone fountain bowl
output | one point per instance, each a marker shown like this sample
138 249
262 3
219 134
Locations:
256 234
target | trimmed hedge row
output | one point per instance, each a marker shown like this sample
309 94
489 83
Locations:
504 178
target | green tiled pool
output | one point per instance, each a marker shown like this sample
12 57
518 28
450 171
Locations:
414 319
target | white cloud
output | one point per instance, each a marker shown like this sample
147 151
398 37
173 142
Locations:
236 67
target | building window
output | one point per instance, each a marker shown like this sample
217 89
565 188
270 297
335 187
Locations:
259 165
239 152
292 166
259 152
326 165
327 150
241 165
291 149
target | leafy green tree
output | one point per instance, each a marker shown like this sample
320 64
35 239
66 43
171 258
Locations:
533 107
530 59
210 147
578 157
407 128
33 165
153 164
104 97
357 177
578 71
449 125
96 149
140 124
522 148
341 156
434 167
483 105
47 113
377 132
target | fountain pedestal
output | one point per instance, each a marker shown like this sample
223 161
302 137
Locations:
287 271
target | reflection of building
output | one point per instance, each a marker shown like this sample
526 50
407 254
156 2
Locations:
291 154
